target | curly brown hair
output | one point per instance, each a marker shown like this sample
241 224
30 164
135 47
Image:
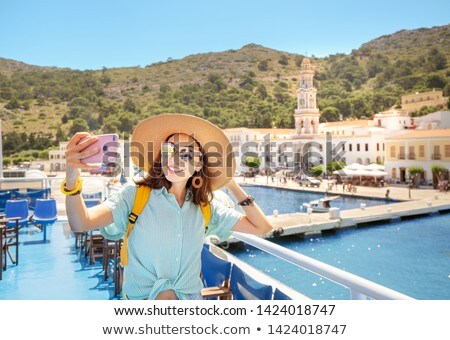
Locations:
156 179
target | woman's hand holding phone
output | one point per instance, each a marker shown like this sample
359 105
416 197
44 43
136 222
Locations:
75 152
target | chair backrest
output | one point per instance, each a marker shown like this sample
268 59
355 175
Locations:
91 202
97 195
4 196
214 270
16 208
33 195
279 295
244 287
45 208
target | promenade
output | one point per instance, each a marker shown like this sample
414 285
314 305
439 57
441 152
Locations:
422 202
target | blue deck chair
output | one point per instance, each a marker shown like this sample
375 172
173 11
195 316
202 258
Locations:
97 195
45 214
215 276
33 195
4 196
91 202
279 295
244 287
17 208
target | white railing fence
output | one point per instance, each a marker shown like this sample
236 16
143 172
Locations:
360 289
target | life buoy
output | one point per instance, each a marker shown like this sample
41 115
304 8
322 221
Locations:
225 245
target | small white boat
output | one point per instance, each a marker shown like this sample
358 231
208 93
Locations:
321 205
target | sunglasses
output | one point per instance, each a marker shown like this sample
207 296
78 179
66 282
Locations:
170 150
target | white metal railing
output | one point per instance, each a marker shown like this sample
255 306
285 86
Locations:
54 182
360 289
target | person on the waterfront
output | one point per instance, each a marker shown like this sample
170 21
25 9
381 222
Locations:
387 194
185 159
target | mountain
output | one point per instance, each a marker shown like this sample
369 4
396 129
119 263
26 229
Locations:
253 86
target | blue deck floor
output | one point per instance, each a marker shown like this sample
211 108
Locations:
54 270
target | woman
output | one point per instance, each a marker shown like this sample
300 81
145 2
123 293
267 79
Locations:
186 159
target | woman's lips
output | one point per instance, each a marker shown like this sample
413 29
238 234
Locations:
172 171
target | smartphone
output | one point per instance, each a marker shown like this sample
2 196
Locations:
109 150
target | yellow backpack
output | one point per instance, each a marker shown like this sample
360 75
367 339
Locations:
140 200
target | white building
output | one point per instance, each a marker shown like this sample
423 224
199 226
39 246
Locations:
57 158
351 141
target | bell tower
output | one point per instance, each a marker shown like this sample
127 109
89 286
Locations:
307 114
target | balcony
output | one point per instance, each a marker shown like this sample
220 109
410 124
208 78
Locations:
412 156
401 156
436 156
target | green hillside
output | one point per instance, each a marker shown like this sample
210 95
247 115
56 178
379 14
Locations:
253 86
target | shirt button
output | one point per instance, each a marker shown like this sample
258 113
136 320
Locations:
179 235
178 212
177 259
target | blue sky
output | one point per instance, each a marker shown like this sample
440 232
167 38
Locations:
91 34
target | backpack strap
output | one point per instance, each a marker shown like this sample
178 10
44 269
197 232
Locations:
206 211
140 200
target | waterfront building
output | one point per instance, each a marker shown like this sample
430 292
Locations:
423 148
414 102
352 141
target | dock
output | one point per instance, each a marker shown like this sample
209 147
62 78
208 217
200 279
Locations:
302 224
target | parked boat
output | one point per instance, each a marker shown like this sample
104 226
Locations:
321 205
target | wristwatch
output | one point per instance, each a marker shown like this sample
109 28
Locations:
248 201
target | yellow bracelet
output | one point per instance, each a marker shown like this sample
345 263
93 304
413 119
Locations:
74 191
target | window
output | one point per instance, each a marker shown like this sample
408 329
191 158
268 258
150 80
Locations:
349 147
437 152
401 154
421 150
343 147
392 151
447 151
378 146
367 147
411 153
358 147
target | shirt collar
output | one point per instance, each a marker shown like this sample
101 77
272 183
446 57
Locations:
164 191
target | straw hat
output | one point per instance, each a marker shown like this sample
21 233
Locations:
149 133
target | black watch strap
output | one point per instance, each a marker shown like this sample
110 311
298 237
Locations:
248 201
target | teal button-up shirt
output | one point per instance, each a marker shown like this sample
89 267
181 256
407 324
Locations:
164 248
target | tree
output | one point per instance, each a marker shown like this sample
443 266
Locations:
263 65
436 81
283 60
414 174
298 61
60 135
112 126
13 104
78 125
439 173
436 60
316 170
129 106
217 83
252 162
330 114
